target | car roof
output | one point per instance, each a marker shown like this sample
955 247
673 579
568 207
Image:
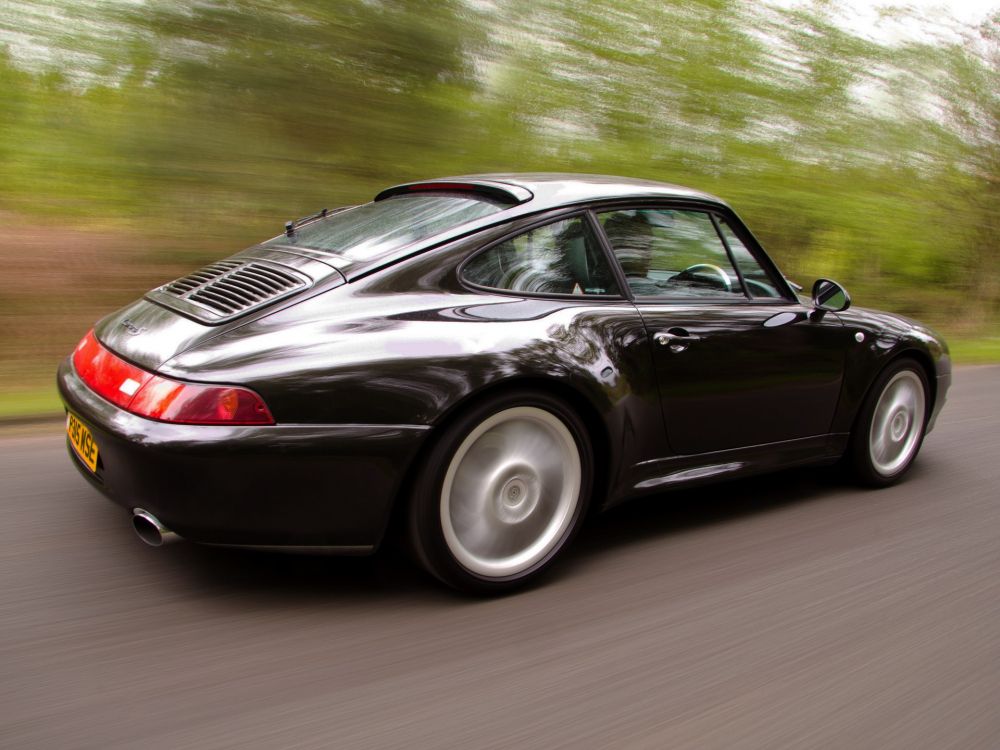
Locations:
547 190
525 193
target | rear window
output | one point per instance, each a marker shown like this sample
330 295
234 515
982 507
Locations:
373 229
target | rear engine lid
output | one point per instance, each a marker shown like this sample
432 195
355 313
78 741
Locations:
240 284
228 288
219 297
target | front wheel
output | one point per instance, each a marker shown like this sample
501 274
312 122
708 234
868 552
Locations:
502 492
891 424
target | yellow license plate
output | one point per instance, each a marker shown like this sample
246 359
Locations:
82 441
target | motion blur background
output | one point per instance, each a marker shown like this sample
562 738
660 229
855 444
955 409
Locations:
139 139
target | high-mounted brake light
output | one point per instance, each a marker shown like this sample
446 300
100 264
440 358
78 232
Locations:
460 186
167 400
500 191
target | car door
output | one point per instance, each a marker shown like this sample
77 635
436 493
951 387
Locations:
738 361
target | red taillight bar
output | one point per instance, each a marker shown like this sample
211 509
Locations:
111 377
156 397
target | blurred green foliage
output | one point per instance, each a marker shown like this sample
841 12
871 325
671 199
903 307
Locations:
185 128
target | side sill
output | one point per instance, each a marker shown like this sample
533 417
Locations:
353 550
675 472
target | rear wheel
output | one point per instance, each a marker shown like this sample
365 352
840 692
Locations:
502 492
891 424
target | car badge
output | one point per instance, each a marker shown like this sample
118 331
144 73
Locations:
132 327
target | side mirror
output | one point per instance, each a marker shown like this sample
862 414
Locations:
829 296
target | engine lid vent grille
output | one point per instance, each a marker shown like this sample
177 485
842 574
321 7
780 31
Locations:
228 288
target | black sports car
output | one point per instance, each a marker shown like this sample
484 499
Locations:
484 359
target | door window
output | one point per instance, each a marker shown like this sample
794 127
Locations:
671 253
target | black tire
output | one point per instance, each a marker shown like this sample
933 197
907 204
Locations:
457 527
905 379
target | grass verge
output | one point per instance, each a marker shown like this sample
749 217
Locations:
29 402
984 351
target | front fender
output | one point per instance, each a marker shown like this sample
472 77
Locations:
887 337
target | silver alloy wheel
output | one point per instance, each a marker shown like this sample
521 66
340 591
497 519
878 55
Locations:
897 423
511 491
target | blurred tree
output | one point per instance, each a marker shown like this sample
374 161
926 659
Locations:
972 89
207 123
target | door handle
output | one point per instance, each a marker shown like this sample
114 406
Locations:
675 337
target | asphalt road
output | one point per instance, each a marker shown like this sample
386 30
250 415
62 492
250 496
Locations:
788 611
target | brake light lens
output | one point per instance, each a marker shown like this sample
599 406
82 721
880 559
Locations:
186 403
111 377
438 186
156 397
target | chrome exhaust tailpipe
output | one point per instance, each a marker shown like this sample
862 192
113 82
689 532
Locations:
150 530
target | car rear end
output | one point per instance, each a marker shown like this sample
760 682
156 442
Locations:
213 465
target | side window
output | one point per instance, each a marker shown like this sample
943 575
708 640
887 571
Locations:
559 258
759 284
671 253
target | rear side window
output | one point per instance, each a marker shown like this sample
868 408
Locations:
373 229
559 258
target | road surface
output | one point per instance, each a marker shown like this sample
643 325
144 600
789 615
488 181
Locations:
788 611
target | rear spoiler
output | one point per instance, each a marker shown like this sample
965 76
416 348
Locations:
501 191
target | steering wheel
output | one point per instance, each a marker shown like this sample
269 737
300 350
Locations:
691 273
760 289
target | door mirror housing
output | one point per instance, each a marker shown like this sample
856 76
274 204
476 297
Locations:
829 296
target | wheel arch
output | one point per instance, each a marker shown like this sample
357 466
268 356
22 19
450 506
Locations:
923 359
919 356
589 413
858 458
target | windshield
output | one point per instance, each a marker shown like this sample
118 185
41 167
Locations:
374 229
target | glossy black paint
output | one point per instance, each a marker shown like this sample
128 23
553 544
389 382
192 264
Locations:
363 369
282 485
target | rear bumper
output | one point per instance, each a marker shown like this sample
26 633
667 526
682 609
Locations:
329 486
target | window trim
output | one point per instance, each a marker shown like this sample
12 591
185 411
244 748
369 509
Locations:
771 273
581 213
729 254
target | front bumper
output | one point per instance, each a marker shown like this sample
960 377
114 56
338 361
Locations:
298 485
940 396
